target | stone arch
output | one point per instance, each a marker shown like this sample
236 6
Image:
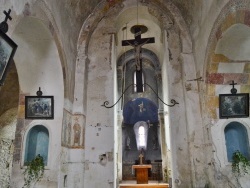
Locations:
39 9
218 74
103 9
44 50
8 122
183 62
234 13
49 20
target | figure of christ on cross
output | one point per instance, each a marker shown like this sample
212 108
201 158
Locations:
137 43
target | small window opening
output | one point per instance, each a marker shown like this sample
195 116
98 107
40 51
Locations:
135 81
142 139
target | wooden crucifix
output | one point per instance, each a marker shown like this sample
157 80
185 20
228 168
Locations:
137 43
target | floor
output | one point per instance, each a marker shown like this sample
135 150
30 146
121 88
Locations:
151 184
134 182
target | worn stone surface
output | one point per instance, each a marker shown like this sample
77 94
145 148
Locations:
71 52
6 155
7 135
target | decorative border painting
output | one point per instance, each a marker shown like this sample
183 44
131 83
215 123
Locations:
7 51
39 107
234 105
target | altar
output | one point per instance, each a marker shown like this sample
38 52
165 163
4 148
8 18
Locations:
142 173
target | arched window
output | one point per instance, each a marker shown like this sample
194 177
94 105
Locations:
141 135
37 142
135 81
236 139
142 140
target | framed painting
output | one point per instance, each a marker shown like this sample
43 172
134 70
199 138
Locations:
7 51
39 107
234 105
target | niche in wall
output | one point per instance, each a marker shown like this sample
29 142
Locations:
236 139
37 142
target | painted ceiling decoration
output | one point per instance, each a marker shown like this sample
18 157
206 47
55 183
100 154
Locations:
140 109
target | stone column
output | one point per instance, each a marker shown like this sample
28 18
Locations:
194 121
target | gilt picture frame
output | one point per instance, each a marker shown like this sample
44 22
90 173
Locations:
39 107
7 50
234 105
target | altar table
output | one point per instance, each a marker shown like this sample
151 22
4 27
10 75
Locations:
142 173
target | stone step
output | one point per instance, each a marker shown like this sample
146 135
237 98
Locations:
144 185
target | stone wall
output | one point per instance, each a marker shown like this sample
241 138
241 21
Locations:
7 135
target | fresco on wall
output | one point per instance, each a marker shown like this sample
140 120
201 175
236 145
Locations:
73 130
78 131
66 129
140 109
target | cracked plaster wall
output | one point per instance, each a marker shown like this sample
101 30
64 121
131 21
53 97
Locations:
221 168
99 125
7 135
200 32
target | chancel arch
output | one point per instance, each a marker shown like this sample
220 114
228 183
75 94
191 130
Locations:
165 64
100 41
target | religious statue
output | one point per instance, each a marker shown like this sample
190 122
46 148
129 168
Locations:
128 143
155 145
141 107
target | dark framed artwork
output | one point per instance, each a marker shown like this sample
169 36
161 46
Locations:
234 105
7 51
39 107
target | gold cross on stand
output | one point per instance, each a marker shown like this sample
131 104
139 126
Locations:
140 157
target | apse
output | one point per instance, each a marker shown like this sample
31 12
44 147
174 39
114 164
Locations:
140 109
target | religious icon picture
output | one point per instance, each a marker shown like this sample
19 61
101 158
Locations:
234 105
7 51
39 107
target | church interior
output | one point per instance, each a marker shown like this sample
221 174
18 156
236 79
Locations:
123 93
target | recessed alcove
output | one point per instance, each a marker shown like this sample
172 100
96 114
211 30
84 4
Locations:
235 43
236 137
37 142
